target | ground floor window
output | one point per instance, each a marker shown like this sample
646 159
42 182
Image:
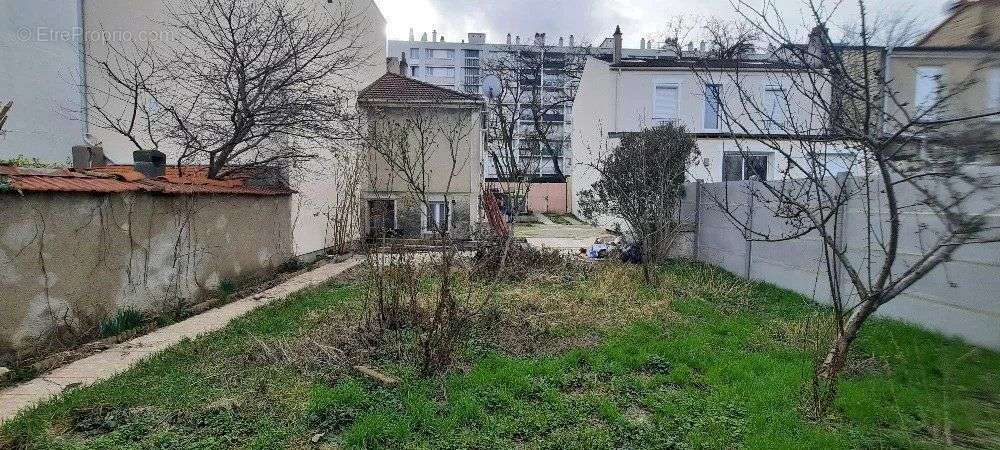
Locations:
381 217
437 216
738 167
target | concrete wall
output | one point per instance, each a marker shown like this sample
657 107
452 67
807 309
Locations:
74 259
958 298
40 72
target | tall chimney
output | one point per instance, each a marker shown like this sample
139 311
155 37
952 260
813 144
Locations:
701 46
560 41
508 38
571 43
517 40
617 58
392 65
88 156
540 39
642 43
151 163
411 34
434 35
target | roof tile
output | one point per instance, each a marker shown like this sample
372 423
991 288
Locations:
393 88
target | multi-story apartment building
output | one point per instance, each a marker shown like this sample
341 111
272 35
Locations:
554 69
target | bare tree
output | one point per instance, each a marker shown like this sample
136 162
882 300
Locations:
419 155
530 89
641 181
241 83
846 141
730 39
4 110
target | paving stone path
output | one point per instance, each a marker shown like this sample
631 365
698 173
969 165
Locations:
121 357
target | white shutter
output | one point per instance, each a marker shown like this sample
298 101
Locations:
927 89
665 103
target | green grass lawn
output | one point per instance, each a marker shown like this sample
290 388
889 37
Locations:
592 360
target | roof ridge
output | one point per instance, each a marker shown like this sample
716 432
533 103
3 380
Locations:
390 75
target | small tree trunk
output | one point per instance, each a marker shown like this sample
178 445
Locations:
836 357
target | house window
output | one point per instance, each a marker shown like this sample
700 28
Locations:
441 72
438 53
381 217
927 95
737 167
713 99
774 109
437 216
665 104
414 53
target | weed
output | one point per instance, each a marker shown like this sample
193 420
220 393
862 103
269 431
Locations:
126 319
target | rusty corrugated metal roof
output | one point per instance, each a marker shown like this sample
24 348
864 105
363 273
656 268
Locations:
183 180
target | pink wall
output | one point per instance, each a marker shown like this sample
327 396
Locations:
548 198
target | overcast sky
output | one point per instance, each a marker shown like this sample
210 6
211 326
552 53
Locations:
595 19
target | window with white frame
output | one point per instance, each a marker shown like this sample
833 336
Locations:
441 72
440 53
993 102
414 53
774 108
738 167
713 98
665 103
437 216
927 91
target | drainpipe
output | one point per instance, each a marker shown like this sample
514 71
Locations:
84 86
886 76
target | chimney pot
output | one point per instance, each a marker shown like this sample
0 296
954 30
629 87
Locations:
560 41
517 40
434 35
411 34
642 43
617 56
508 38
151 163
88 156
571 40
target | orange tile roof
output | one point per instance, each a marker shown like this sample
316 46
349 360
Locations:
123 178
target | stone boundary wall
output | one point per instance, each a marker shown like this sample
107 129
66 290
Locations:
69 261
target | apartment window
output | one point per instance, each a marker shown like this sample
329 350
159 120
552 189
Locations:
737 167
713 98
442 72
927 93
774 109
414 53
437 216
439 53
665 104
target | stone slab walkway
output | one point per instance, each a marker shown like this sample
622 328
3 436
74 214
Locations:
121 357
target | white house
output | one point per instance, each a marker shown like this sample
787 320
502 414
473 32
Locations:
620 95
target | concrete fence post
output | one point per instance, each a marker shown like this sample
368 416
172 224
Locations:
697 219
749 226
